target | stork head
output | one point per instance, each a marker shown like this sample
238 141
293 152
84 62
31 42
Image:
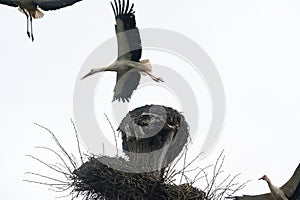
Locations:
264 177
93 71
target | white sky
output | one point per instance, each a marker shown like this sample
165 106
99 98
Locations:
254 44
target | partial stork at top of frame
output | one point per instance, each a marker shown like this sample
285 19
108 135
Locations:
128 65
30 9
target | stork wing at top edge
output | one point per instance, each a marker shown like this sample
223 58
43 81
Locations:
266 196
54 4
8 3
128 36
292 184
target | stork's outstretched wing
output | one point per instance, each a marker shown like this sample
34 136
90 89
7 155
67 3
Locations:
291 188
126 83
296 195
53 4
129 41
266 196
8 3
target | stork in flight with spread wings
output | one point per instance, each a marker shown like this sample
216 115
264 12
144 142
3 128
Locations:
128 65
289 191
30 9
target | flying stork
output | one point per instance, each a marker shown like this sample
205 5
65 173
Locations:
128 64
289 191
30 8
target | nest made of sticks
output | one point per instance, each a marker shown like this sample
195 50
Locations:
142 175
109 178
153 136
97 180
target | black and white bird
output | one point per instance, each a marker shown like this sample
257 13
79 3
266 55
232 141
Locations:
128 65
31 9
289 191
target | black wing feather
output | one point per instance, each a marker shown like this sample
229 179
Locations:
127 6
296 194
292 185
120 6
129 41
8 3
123 6
116 7
54 4
115 12
127 82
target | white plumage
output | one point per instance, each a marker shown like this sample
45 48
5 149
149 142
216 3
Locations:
289 191
128 64
30 9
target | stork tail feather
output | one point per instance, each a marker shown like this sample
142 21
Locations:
146 63
34 13
37 14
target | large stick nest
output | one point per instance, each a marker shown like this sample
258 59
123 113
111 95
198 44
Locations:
153 136
99 181
142 175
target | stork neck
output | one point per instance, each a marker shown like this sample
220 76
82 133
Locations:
268 180
102 69
274 189
112 67
269 183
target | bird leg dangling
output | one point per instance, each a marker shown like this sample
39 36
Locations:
27 21
31 29
144 69
156 79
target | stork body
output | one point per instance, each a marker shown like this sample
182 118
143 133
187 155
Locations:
128 64
289 191
31 11
276 192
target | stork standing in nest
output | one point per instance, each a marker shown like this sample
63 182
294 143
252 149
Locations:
30 9
128 64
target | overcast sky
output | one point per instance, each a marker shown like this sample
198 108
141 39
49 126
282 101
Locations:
254 45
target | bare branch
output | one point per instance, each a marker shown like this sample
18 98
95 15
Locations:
77 140
115 136
59 145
